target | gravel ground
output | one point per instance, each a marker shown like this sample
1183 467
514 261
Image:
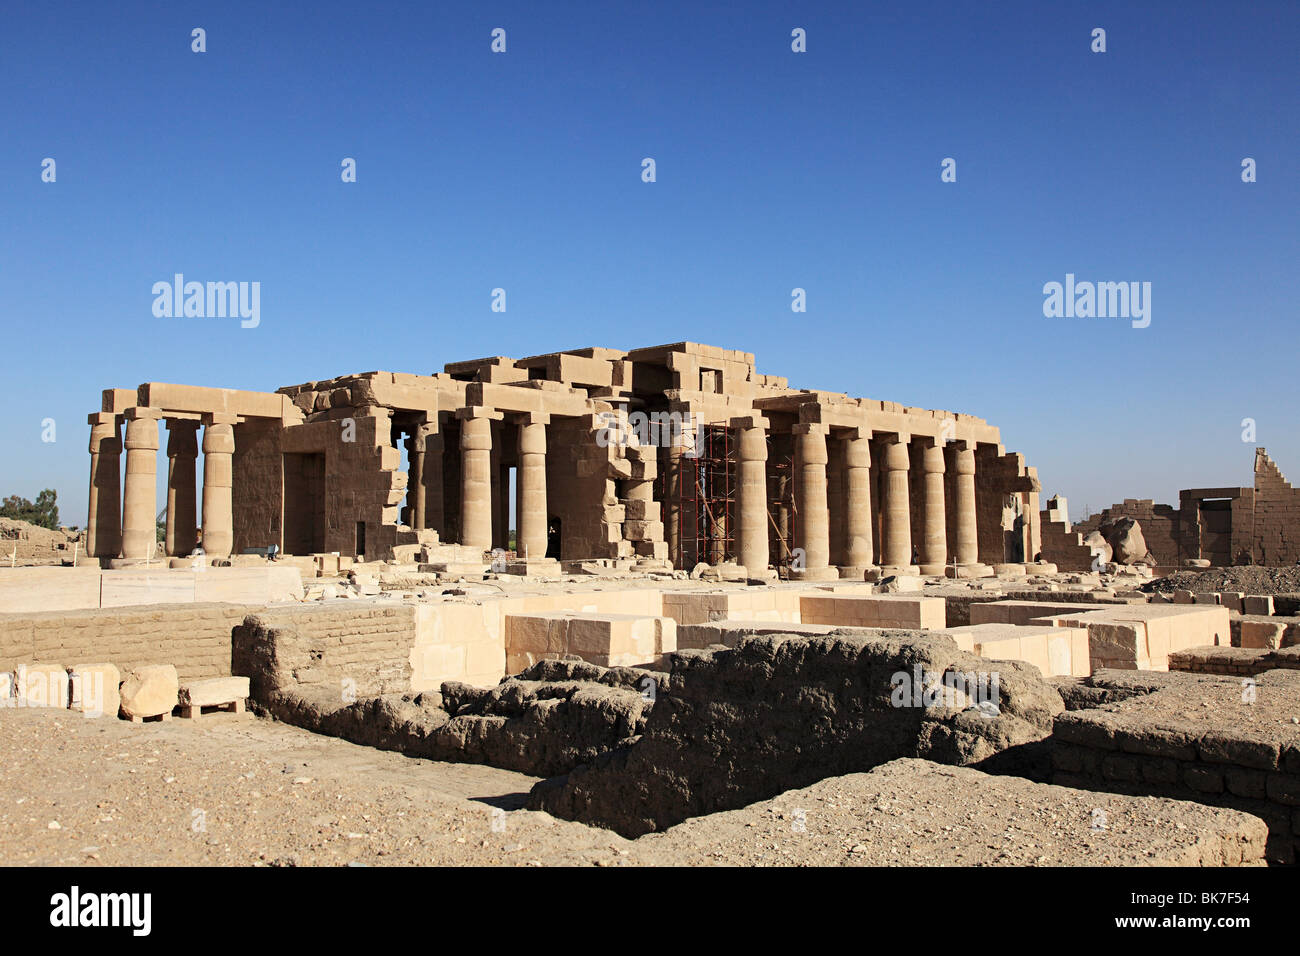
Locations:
238 790
242 791
1249 579
918 813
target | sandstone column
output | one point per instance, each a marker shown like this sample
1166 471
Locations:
140 497
895 508
418 484
530 489
182 505
967 535
751 493
218 480
812 516
675 441
934 541
857 500
104 510
476 478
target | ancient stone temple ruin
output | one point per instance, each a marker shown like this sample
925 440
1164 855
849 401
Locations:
675 454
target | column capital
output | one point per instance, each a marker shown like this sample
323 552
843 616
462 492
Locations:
531 418
857 450
932 459
751 421
141 412
896 457
964 459
810 428
471 412
101 418
219 418
182 440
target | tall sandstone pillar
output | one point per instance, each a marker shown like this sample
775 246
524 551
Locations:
934 540
531 489
218 482
140 497
418 483
895 508
812 514
752 549
104 509
858 517
964 493
182 503
476 478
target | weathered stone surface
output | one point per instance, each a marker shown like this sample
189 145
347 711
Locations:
213 691
41 685
1124 535
741 724
95 689
1099 546
1222 741
546 721
150 691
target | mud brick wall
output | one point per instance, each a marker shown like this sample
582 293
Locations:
1277 515
1194 738
775 712
367 647
1234 661
193 637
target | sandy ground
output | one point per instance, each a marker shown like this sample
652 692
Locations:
231 790
238 790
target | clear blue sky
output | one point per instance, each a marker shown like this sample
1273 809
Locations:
775 170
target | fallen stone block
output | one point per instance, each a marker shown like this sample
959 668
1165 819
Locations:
150 691
1262 634
41 685
1258 604
94 689
225 692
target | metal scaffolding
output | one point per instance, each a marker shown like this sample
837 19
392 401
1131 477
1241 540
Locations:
706 496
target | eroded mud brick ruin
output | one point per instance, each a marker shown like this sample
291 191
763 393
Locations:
719 601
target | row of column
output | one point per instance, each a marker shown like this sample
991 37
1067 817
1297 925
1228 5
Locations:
122 515
476 481
812 527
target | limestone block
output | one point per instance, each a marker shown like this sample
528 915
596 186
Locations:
900 584
213 691
1262 634
150 691
877 610
41 685
94 689
1258 604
